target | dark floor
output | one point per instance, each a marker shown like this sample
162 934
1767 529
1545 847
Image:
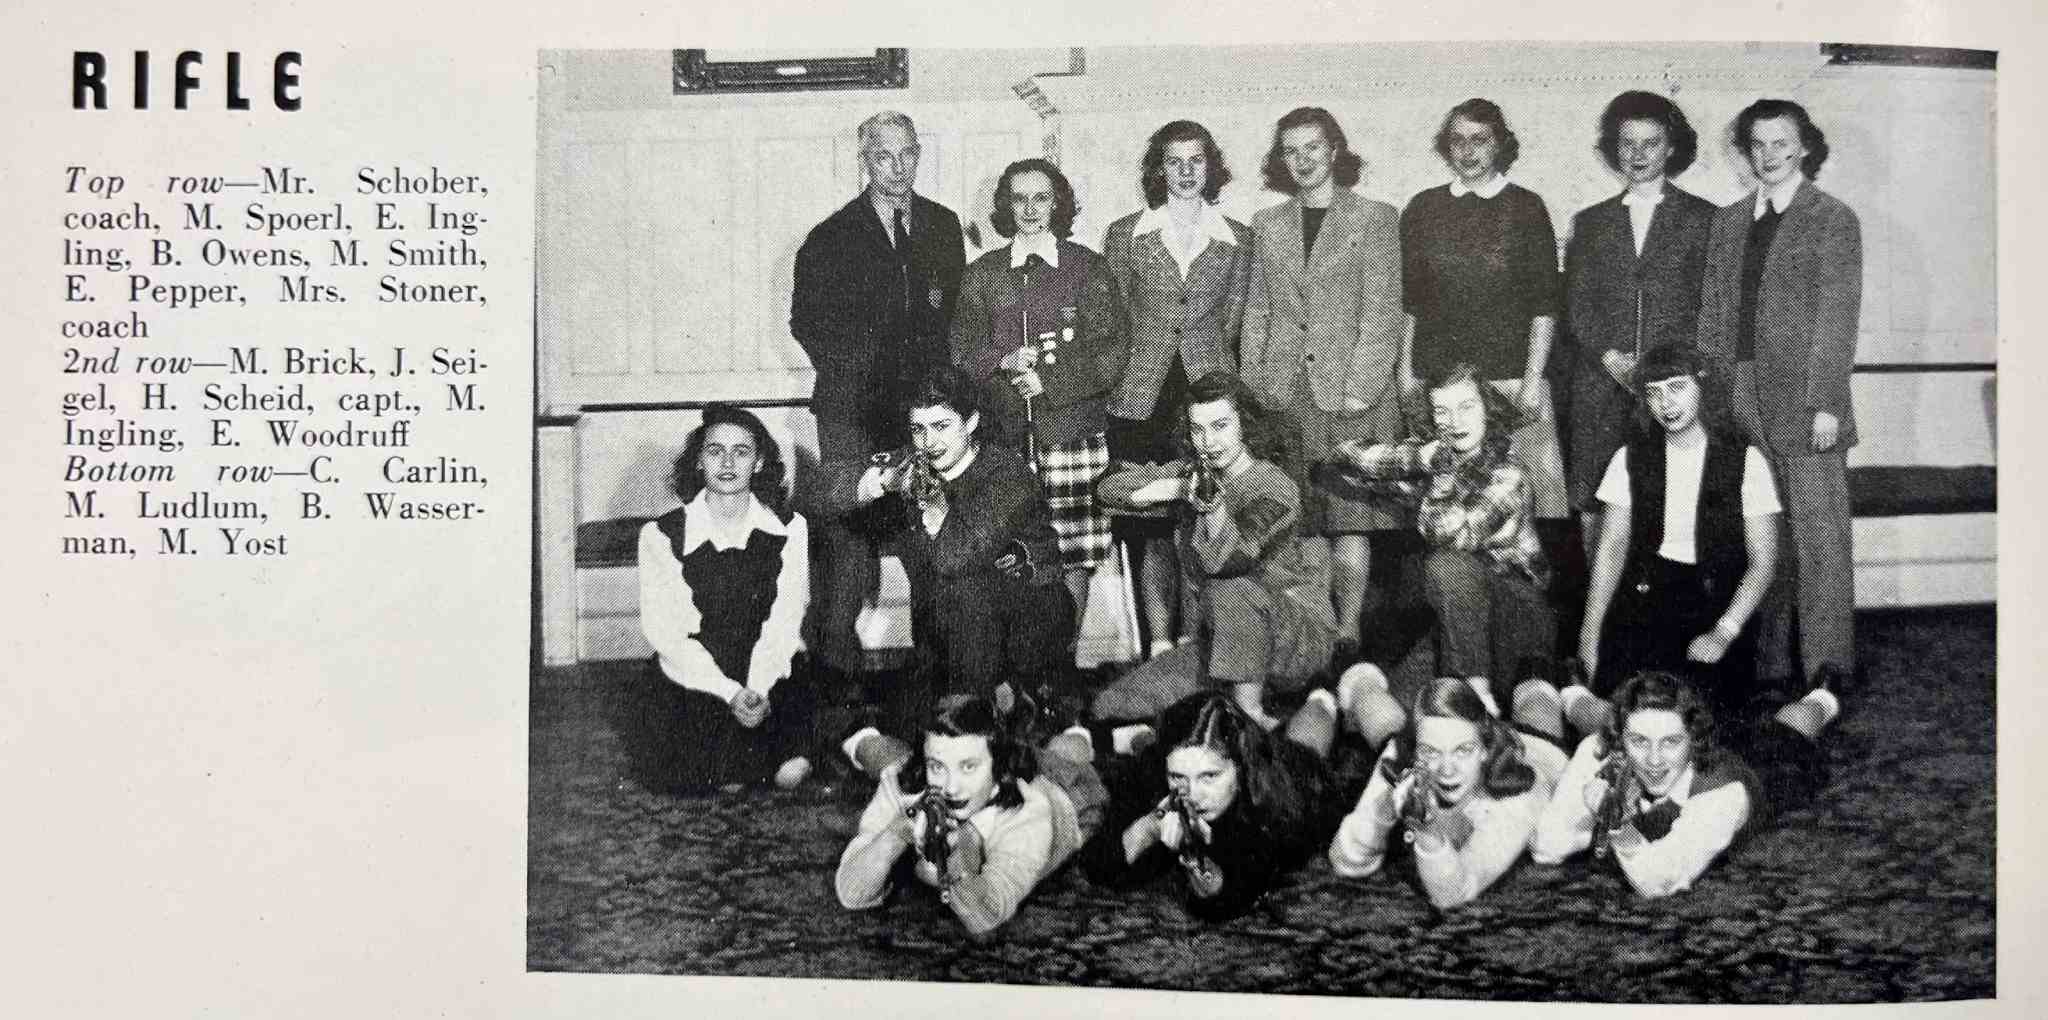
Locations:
1883 890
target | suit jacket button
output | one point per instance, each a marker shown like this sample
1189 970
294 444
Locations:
1177 331
1304 327
1308 357
1183 299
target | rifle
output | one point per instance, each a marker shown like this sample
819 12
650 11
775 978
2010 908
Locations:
920 482
1193 847
1613 811
938 824
1421 805
1204 488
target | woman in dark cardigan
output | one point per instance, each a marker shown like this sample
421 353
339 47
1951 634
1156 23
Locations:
1224 804
1633 269
1480 281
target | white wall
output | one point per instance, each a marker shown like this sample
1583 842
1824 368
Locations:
668 225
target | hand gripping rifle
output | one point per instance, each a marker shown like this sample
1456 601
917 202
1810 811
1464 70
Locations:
938 824
1193 847
1613 811
1421 805
919 482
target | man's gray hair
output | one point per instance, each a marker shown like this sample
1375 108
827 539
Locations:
886 118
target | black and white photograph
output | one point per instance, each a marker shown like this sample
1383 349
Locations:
1422 520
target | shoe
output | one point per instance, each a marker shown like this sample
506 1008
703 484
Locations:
793 773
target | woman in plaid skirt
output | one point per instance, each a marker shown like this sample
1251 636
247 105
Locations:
1040 326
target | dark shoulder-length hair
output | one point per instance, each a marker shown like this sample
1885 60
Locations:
1267 798
1502 416
1656 689
947 386
972 715
1152 168
1811 137
1345 165
1064 206
1502 772
1268 434
1669 361
686 477
1638 105
1508 148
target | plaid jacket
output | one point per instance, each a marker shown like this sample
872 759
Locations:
1481 506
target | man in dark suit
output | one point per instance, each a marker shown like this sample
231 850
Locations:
875 285
1784 286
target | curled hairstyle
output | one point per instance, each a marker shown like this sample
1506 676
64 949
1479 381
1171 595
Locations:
1344 166
1064 206
1656 689
972 715
865 134
1811 138
1502 772
1502 416
1508 148
686 477
1266 799
947 386
1267 433
1152 168
1637 105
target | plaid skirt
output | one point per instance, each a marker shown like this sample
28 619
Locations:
1067 474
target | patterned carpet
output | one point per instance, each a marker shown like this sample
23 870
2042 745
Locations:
1882 891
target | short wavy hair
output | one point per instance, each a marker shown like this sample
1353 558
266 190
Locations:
1064 205
1502 772
865 133
1502 416
1268 434
972 715
1507 147
686 479
947 386
1152 168
1638 105
1811 137
1657 689
1345 165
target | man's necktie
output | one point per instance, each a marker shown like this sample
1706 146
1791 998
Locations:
902 238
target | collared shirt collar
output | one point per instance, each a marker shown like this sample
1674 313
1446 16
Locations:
1681 788
1487 190
701 525
1780 196
1212 224
886 210
1041 244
